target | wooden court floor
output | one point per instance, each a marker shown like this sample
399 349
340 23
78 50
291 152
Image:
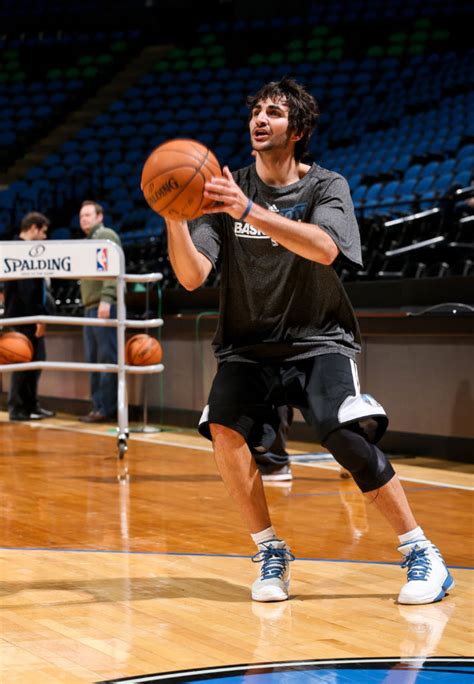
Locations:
101 581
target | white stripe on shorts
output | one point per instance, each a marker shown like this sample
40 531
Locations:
359 405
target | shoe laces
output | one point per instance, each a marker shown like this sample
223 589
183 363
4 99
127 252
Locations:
418 563
438 553
274 561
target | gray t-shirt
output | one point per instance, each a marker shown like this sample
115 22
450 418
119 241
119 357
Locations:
276 305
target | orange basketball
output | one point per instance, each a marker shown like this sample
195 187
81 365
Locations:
143 350
173 178
15 348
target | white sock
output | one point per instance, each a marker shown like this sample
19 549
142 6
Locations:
414 535
265 535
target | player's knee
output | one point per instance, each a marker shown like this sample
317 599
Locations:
352 449
221 434
368 428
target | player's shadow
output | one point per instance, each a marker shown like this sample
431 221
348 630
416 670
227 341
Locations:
340 597
150 478
120 589
123 589
191 477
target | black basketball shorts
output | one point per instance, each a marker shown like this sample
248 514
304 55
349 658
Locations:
245 397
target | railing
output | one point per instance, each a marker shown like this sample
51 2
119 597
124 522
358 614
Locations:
92 259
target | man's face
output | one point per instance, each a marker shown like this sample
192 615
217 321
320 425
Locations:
89 217
38 232
269 125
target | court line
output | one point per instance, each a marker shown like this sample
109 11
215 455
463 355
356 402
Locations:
302 495
199 447
401 477
311 665
437 484
206 555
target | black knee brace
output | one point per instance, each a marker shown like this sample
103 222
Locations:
352 448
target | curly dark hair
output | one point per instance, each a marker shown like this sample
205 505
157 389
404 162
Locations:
303 109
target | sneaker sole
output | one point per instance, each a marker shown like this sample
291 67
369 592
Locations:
447 584
270 594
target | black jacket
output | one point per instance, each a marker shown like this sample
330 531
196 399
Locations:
24 297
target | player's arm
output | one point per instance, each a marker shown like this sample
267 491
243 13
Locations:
306 239
190 266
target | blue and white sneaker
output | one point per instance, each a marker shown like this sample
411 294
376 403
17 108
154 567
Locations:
428 577
273 583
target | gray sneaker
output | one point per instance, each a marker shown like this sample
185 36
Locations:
273 583
275 473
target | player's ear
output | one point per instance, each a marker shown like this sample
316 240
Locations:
294 137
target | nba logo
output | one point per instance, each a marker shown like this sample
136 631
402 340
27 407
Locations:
102 262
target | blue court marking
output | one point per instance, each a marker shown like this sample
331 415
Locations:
348 671
205 555
354 676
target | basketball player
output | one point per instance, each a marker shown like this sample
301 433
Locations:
100 299
287 332
28 297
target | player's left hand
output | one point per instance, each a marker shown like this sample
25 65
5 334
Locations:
104 310
224 190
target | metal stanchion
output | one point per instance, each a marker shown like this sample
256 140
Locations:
145 428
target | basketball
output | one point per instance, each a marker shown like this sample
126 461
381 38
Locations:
143 350
15 348
173 178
